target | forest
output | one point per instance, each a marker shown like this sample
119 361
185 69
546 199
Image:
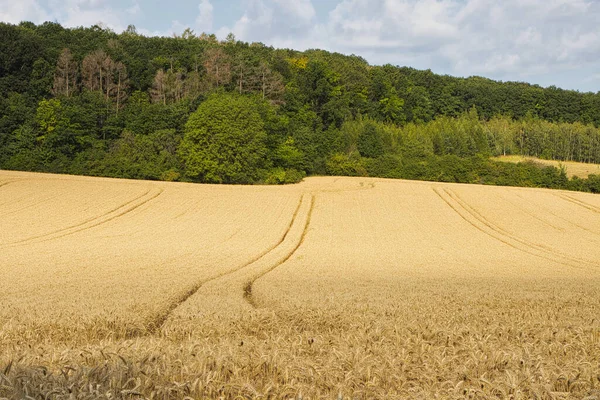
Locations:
90 101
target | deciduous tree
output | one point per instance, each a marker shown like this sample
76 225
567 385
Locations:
224 141
218 67
65 75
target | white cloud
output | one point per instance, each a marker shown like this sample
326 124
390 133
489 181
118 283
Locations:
74 13
107 17
135 9
273 21
593 78
69 13
204 21
176 29
512 39
23 10
302 9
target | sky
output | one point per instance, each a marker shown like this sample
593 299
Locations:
546 42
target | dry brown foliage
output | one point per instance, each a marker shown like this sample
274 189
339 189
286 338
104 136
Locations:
343 288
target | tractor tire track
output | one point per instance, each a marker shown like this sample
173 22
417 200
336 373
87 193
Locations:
248 295
535 246
482 224
534 215
5 183
547 211
159 320
362 187
93 222
457 210
594 209
31 205
525 242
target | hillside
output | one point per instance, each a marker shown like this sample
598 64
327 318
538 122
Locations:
353 287
89 101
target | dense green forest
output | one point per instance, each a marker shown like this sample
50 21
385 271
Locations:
192 108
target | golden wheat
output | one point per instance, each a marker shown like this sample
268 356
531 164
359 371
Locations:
334 288
572 168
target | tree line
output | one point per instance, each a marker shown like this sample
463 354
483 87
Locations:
191 107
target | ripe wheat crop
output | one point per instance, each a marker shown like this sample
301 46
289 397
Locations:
572 168
343 288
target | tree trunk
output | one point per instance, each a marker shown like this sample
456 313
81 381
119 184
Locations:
68 68
118 92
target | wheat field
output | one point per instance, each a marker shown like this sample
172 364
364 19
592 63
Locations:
335 288
572 168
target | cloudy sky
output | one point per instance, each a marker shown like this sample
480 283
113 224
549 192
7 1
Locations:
548 42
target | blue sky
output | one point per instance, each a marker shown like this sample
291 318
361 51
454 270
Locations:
548 42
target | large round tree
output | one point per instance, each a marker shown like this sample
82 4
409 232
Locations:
224 141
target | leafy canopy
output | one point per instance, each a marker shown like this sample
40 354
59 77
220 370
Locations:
224 141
